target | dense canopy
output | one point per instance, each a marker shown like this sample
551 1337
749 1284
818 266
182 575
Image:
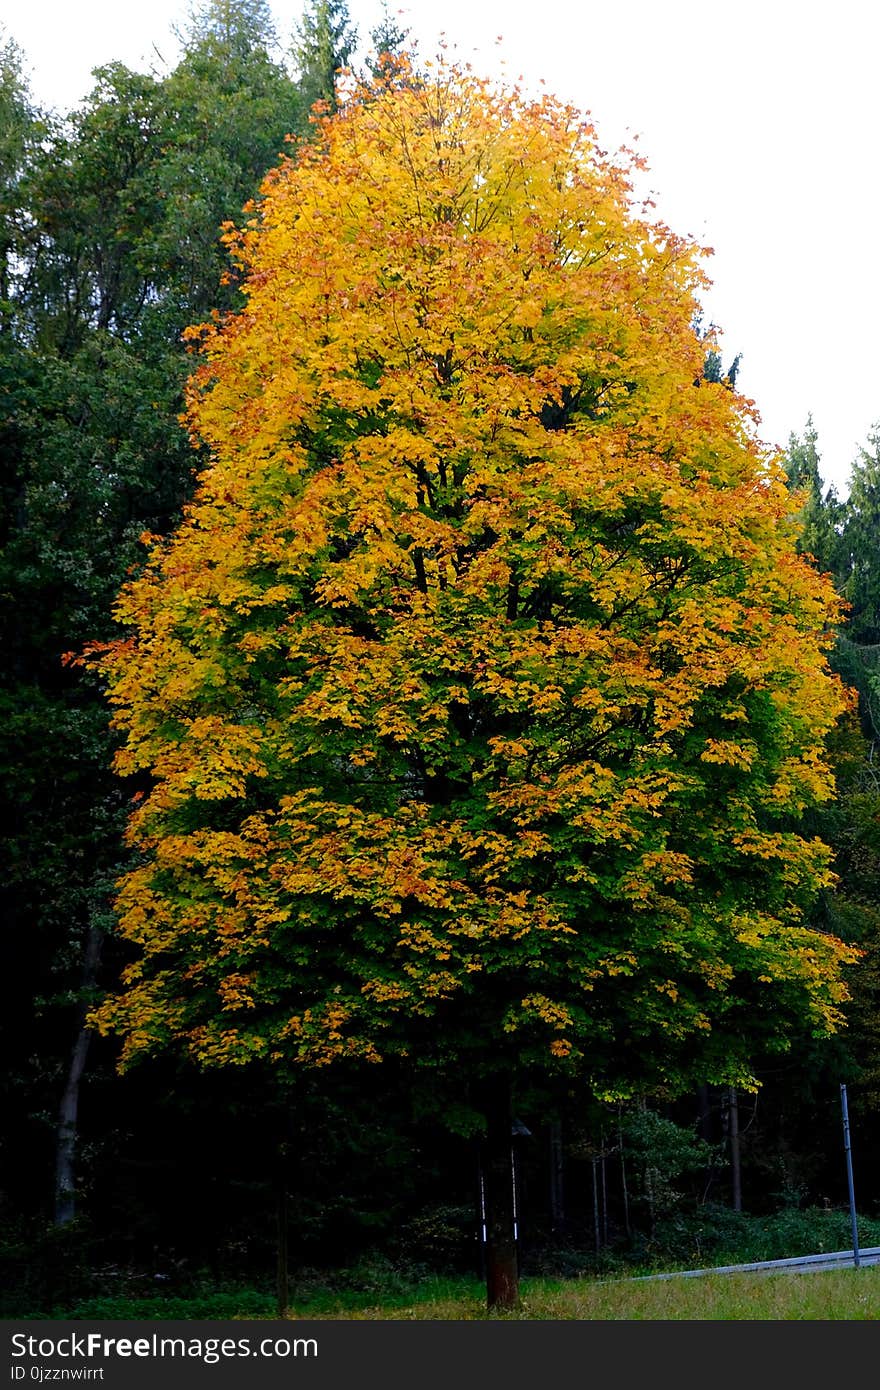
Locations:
482 688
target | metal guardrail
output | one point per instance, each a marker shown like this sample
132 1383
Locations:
797 1264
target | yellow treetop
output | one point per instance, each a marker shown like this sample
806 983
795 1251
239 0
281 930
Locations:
481 688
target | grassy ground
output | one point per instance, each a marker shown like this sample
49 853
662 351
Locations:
849 1294
67 1275
852 1294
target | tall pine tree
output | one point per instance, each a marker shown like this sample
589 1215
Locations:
324 43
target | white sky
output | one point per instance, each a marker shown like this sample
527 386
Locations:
759 120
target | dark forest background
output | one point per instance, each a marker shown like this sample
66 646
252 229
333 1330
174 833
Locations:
151 1182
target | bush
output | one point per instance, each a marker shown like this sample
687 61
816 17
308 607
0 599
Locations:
240 1303
42 1264
715 1235
441 1237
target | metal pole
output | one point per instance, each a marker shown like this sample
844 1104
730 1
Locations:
849 1176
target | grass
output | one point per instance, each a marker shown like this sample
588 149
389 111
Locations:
852 1294
839 1295
58 1280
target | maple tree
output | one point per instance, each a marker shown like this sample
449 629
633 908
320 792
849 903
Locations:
482 686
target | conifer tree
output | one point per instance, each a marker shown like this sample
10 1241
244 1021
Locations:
324 42
821 515
861 530
111 223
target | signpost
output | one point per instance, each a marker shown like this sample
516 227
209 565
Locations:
849 1175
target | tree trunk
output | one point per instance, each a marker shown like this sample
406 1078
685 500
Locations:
706 1131
502 1277
704 1106
66 1142
68 1110
733 1137
596 1235
649 1196
557 1193
283 1276
623 1183
604 1195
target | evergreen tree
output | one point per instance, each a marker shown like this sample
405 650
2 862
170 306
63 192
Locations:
821 516
230 29
389 41
843 538
231 108
861 546
112 219
324 42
